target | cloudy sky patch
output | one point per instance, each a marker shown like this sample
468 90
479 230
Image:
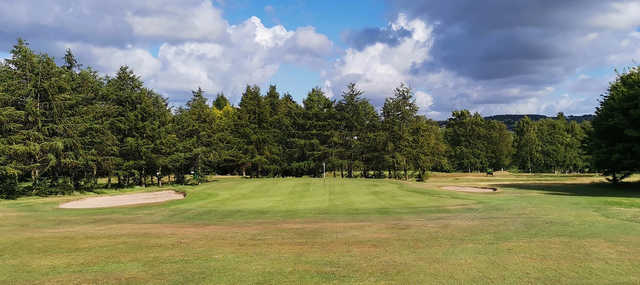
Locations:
500 56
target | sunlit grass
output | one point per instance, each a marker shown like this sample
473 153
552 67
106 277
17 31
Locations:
542 229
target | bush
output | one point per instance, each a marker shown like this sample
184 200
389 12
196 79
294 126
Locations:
8 185
422 176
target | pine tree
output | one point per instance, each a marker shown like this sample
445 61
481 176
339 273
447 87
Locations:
220 102
399 113
356 117
313 143
195 132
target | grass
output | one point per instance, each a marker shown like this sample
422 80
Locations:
542 229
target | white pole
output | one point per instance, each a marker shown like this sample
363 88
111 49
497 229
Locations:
324 171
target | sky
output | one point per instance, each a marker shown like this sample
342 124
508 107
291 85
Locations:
492 57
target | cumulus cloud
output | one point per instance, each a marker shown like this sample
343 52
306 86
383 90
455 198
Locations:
110 59
619 15
499 56
196 45
494 57
381 66
171 20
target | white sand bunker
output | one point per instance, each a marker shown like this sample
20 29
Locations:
123 200
469 189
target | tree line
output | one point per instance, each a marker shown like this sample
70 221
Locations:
64 126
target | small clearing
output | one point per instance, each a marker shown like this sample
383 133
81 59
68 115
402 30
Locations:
123 200
469 189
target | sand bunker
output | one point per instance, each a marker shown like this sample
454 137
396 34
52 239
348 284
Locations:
469 189
123 200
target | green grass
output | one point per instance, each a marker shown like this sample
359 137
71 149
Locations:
538 229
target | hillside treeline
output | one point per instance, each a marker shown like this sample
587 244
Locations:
64 126
512 120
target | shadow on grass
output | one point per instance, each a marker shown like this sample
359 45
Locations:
597 189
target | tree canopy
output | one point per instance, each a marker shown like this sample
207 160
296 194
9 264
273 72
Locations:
63 126
615 138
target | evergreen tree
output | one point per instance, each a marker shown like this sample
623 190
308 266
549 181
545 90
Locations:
288 121
615 138
139 115
399 113
38 92
195 132
251 127
64 126
313 142
220 102
357 118
11 122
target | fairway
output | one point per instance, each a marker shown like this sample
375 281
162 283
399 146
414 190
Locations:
535 229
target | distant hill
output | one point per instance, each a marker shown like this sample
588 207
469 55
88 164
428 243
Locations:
511 120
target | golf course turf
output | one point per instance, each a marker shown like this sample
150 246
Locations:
541 229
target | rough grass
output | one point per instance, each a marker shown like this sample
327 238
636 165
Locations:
541 229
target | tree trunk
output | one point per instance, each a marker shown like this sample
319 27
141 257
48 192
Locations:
95 176
406 174
395 169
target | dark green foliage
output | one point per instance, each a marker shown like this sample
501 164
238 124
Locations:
357 121
477 144
313 142
512 120
196 140
399 113
615 139
64 127
551 145
220 102
428 149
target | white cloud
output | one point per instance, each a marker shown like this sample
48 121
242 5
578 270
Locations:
621 15
171 20
248 53
308 40
380 67
3 56
266 37
423 100
196 45
109 59
252 55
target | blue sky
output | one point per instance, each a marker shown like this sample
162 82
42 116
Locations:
323 15
491 57
331 18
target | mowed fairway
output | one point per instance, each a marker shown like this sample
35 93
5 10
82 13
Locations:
534 230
